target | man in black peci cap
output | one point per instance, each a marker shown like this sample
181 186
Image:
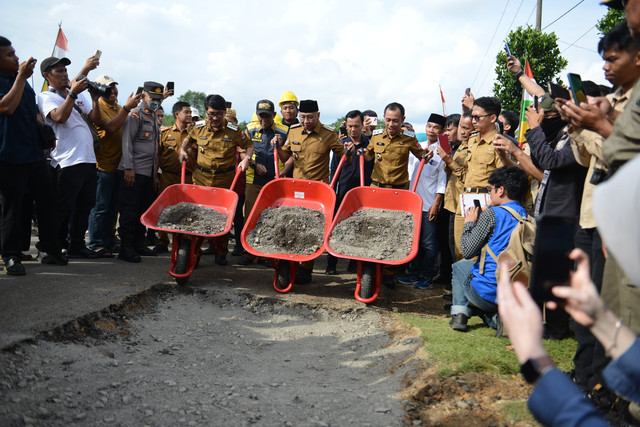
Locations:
309 143
137 172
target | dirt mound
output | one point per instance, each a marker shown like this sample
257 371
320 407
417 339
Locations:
382 234
192 218
288 230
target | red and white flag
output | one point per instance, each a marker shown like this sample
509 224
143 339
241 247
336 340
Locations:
60 50
444 103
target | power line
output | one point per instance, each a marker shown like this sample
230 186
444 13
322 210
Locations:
489 46
585 33
558 18
535 6
515 16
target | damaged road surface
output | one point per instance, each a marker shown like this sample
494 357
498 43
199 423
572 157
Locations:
215 356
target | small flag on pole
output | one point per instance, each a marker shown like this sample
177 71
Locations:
60 50
526 101
444 103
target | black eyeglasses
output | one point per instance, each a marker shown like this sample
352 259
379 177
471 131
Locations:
476 118
218 114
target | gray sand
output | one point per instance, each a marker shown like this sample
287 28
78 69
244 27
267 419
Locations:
192 218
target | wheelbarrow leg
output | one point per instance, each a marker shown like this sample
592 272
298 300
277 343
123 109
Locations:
284 275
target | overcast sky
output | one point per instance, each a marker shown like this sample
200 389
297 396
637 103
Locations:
346 54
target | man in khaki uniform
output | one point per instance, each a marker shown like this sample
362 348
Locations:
390 148
169 158
217 141
309 144
482 157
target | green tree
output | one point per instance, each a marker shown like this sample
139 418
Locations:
541 50
336 125
195 99
169 119
612 18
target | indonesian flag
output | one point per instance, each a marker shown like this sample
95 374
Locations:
444 103
60 50
526 101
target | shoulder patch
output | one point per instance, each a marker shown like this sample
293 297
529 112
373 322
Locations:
232 126
377 132
135 115
253 125
282 127
200 123
327 127
295 126
409 133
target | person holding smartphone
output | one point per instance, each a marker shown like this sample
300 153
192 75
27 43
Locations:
22 164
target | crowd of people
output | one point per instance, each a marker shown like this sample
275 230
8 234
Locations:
108 162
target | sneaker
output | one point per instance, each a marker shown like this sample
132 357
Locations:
459 322
408 280
423 284
13 267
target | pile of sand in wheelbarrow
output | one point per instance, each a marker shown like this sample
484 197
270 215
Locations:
289 230
381 234
192 218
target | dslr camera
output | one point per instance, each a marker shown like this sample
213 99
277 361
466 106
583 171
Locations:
97 88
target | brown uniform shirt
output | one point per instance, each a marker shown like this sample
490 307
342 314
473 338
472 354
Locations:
216 152
109 152
391 156
169 150
310 151
457 172
482 160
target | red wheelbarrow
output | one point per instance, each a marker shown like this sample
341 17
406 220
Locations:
186 246
315 195
370 270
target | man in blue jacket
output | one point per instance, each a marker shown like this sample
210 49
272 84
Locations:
475 283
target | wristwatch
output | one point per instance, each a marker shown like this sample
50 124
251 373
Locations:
532 369
73 95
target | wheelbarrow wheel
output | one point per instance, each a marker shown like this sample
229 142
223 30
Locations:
182 260
283 274
367 280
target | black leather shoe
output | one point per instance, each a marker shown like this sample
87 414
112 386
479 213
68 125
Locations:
129 254
13 267
237 250
221 259
83 253
303 276
353 266
55 259
244 260
145 251
208 251
25 257
160 249
499 327
459 322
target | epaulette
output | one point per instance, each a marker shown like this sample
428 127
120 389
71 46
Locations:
377 132
163 129
282 127
329 128
232 126
295 126
201 123
135 115
474 133
409 133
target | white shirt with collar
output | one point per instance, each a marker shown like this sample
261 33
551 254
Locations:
433 179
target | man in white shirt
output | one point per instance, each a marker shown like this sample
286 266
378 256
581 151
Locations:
73 158
431 187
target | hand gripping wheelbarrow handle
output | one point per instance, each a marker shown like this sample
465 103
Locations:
335 176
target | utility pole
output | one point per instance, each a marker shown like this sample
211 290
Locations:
539 16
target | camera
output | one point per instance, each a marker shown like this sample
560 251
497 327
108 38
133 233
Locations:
97 88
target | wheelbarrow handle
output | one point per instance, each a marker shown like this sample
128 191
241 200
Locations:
417 176
337 172
183 172
276 162
235 178
361 160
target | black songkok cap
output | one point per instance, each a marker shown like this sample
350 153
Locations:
437 119
308 106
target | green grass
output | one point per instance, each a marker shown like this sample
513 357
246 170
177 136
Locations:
478 350
517 412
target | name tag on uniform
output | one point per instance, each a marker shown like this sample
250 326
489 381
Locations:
295 143
171 139
203 137
379 143
227 139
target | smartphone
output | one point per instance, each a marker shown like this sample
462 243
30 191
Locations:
98 54
499 127
443 141
506 47
343 131
467 91
477 204
535 102
575 84
551 265
169 86
139 91
557 91
374 121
